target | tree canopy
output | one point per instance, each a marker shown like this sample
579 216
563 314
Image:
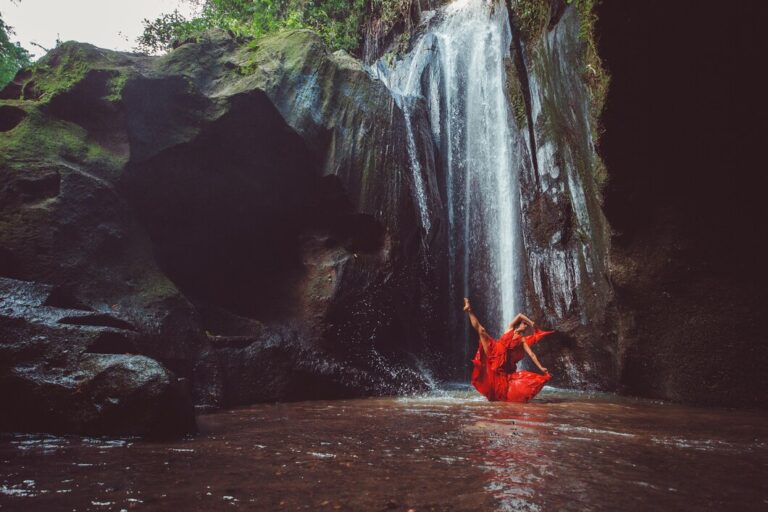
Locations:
339 22
12 56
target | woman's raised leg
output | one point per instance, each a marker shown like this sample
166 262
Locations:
476 325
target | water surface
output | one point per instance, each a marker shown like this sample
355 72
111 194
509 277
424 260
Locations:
450 450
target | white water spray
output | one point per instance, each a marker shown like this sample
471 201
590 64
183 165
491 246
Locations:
457 67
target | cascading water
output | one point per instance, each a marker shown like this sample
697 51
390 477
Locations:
457 67
519 197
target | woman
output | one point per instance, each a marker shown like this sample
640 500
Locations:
495 364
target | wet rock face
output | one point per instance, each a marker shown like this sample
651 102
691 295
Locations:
185 243
565 278
67 369
659 304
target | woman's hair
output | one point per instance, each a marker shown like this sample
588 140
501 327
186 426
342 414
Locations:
516 325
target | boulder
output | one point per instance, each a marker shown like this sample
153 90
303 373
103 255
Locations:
72 370
226 215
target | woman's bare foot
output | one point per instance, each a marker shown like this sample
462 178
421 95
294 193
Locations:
466 304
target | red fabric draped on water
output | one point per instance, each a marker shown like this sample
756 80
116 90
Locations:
491 375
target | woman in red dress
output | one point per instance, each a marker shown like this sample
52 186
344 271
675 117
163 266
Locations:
494 366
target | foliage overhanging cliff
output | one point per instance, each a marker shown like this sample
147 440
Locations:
341 23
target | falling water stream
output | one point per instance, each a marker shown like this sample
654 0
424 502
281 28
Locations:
456 67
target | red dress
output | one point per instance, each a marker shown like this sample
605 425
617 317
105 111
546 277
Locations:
492 379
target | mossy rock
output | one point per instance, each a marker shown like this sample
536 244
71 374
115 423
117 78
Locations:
227 175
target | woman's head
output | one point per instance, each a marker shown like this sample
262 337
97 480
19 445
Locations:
519 327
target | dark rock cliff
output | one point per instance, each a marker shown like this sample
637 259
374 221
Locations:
683 142
663 293
556 86
227 223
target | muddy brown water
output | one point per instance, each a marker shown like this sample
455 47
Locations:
450 450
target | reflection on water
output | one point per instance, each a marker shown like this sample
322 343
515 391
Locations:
448 451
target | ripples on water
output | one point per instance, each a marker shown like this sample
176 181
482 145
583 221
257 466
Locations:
451 450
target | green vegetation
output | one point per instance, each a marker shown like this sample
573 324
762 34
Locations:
52 78
595 77
337 21
40 137
116 85
68 65
340 23
287 47
593 73
515 95
530 17
12 56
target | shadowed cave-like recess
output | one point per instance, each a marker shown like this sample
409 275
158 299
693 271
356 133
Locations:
681 145
227 212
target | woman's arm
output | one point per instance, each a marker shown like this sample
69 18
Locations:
524 318
533 357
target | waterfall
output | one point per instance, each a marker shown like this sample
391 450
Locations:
456 66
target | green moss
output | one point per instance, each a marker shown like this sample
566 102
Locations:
98 156
289 43
155 287
596 78
403 43
48 81
515 95
594 73
66 66
287 47
398 49
116 85
549 124
530 17
40 138
599 172
60 70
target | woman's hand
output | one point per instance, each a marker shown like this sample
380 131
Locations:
467 307
544 370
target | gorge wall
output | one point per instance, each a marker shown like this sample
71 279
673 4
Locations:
258 220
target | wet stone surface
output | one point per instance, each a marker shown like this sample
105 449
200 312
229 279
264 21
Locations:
447 451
